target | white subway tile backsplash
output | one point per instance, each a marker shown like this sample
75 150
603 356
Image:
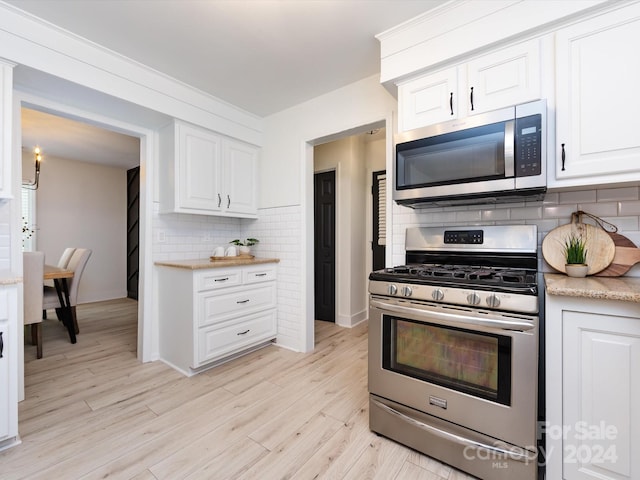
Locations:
600 209
559 211
578 196
526 213
624 224
629 208
468 216
616 194
495 215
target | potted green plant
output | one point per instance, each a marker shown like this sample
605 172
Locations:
575 254
244 246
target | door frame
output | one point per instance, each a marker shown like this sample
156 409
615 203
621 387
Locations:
307 341
148 153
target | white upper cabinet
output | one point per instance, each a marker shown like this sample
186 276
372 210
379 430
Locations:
509 76
202 172
240 177
429 99
199 164
597 99
502 78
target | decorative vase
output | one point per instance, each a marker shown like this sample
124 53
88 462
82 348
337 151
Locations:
244 250
577 270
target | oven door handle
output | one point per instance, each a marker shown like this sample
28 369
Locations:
456 319
514 453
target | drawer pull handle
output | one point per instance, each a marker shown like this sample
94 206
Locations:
219 200
564 157
228 201
261 274
1 344
221 279
451 103
243 301
243 333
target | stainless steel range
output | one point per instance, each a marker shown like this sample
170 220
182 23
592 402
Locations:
453 348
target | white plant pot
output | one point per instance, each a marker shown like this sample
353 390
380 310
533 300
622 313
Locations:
576 270
244 250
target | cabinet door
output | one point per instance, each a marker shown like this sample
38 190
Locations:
597 72
240 178
428 100
509 76
217 307
199 169
4 379
601 394
216 342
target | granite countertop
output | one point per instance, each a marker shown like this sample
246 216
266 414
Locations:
202 263
606 288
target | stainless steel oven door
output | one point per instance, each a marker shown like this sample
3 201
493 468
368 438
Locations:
474 368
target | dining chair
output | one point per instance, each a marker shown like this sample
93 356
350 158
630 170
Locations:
33 271
62 263
77 264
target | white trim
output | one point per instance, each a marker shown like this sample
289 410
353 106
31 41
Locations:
30 41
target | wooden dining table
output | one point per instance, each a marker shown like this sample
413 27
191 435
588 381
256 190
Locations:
59 277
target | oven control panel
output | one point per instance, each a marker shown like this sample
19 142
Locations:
456 296
469 237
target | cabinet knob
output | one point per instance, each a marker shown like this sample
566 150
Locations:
564 157
451 103
471 98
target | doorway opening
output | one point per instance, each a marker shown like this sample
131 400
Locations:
66 219
351 158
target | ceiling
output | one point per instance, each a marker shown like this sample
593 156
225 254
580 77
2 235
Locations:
262 56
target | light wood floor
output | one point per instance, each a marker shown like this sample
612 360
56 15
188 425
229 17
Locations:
92 411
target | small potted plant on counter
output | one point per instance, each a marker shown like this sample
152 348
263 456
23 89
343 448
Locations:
575 254
244 247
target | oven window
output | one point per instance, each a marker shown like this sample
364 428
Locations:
468 361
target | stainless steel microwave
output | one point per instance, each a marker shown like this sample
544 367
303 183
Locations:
498 156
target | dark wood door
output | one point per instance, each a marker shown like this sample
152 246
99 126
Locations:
324 246
379 191
133 218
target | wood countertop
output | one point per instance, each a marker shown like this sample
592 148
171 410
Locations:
202 263
626 289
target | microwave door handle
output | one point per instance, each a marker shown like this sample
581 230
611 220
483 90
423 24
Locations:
509 149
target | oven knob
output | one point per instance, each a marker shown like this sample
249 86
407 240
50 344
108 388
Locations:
493 301
406 291
392 289
473 299
437 295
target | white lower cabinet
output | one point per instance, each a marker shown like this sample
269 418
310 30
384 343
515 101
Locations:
8 367
208 316
593 388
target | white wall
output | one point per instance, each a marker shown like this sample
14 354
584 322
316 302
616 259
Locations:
80 204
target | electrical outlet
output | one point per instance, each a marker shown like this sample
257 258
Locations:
162 238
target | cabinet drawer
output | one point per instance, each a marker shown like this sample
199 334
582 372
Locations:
259 273
218 307
214 279
217 342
